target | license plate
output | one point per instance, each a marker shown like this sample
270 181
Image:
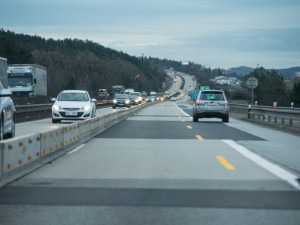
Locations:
212 104
71 113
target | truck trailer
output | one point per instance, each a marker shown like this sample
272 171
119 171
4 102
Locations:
27 79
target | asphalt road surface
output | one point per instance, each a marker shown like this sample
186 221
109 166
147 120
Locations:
158 167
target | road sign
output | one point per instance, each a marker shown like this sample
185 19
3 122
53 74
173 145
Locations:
252 82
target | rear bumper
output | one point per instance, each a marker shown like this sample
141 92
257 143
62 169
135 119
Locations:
212 114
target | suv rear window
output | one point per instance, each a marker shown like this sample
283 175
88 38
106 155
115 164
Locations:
216 96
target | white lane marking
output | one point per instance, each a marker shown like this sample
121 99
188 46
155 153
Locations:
274 169
189 116
76 149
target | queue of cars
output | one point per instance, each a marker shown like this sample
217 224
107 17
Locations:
69 105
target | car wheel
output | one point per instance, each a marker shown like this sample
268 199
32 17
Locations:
225 119
1 130
13 131
114 107
195 118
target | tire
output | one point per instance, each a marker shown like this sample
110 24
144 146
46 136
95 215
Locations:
114 107
195 118
12 134
225 119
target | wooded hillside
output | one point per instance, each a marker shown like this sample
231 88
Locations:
78 64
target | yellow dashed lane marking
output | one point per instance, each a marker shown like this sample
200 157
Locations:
199 138
189 127
225 163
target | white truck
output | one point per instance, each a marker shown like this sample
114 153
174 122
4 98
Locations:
27 79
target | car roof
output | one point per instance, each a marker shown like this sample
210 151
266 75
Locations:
74 91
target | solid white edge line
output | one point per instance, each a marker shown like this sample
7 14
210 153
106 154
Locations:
76 149
274 169
189 116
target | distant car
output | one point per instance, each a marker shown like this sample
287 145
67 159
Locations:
150 98
135 98
211 104
160 97
7 114
73 105
121 100
173 99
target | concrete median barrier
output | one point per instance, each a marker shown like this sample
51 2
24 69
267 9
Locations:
19 156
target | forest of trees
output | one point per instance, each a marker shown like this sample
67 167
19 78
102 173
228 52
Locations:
272 88
78 64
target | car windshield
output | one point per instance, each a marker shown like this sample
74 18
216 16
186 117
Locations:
216 96
121 97
135 94
73 96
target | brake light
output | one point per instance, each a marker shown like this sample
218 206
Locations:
226 102
198 102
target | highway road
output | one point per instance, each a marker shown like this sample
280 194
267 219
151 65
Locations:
159 167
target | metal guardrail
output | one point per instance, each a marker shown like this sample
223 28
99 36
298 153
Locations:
42 107
39 111
283 117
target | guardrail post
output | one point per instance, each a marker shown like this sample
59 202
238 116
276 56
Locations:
291 122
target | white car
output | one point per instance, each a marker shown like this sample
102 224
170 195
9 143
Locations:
73 105
7 114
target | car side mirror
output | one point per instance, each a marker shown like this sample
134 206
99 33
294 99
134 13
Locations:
53 99
93 100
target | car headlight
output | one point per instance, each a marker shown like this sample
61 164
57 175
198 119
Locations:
136 100
115 101
56 107
86 108
127 101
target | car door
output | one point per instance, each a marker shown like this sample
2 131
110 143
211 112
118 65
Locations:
7 110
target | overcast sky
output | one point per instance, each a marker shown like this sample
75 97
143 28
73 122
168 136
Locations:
214 33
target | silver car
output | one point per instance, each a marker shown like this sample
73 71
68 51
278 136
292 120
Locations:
211 104
7 114
73 105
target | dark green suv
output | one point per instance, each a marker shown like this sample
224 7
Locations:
211 104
